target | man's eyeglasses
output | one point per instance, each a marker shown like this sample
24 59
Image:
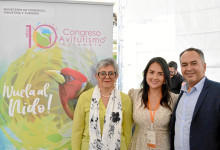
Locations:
172 72
103 74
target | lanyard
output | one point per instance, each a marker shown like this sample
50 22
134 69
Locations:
152 115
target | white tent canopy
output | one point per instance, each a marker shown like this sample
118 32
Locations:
165 28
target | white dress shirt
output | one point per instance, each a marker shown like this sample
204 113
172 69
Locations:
184 113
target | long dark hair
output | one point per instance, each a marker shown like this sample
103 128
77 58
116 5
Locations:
166 97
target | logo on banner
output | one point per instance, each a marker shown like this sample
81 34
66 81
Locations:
45 36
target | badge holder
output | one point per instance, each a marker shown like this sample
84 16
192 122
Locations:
151 135
151 138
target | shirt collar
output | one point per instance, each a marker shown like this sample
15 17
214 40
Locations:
197 87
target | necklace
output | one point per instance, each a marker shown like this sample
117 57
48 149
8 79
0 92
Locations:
105 96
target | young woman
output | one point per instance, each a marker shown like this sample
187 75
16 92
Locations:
103 115
152 107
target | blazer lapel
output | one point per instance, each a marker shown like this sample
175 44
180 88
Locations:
201 98
172 123
177 102
173 118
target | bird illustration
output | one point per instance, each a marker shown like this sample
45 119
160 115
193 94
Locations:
51 128
71 84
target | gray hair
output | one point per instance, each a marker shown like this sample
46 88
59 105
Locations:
106 62
201 54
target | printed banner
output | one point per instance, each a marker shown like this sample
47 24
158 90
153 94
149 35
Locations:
48 57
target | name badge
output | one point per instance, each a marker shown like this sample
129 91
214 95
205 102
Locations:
151 139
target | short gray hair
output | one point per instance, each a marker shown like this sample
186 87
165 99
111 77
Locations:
106 62
201 54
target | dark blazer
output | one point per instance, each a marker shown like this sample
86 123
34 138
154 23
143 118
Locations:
205 125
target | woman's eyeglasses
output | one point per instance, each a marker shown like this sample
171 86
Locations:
110 74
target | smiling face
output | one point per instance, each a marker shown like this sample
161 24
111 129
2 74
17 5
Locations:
106 82
192 67
155 76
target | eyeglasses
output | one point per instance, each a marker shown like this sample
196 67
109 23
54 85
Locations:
172 72
110 74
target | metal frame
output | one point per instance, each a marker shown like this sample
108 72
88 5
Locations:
65 1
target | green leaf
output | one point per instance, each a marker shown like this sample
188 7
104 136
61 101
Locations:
55 138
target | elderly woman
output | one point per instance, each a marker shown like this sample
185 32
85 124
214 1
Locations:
103 115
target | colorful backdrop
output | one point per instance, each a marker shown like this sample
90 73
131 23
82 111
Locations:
48 55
